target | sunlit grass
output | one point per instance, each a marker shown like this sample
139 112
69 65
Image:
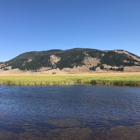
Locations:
120 79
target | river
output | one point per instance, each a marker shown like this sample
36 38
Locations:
69 112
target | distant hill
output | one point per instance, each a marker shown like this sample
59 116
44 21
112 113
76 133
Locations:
74 59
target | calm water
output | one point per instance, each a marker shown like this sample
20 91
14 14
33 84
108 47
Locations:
58 112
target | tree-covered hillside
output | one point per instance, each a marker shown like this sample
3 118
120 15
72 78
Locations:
72 58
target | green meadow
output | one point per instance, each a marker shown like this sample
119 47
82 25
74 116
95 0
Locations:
119 79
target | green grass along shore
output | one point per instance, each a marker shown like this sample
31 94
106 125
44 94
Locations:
101 79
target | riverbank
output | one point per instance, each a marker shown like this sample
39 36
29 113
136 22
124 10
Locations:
119 79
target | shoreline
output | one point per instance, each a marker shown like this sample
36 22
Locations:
116 79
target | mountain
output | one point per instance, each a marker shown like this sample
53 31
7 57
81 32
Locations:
81 59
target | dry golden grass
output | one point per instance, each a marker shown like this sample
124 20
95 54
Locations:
120 79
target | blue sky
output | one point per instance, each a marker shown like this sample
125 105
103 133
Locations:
36 25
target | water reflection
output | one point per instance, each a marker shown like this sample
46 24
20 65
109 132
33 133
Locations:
72 112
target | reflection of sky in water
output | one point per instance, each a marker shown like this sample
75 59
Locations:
93 106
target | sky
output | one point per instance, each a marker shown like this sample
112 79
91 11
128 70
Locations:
37 25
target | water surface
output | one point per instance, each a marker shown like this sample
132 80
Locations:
69 112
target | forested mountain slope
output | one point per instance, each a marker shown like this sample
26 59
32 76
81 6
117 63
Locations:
86 59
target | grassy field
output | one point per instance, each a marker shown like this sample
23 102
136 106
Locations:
119 79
